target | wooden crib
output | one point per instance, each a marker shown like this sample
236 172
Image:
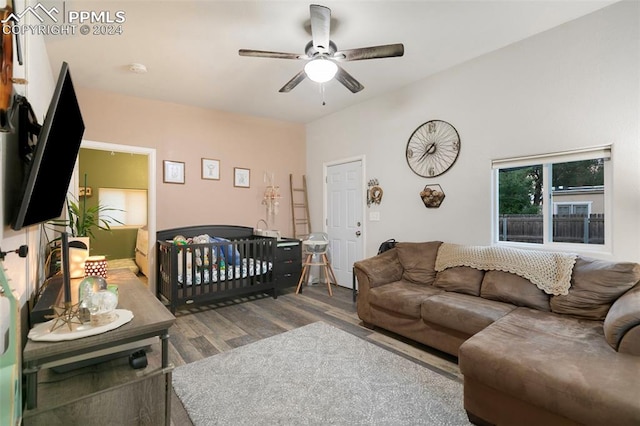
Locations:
231 262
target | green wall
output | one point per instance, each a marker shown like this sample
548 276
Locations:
106 169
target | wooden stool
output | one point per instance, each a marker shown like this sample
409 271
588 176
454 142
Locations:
324 263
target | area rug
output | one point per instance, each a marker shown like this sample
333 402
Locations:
316 375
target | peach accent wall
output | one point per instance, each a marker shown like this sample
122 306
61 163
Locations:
187 134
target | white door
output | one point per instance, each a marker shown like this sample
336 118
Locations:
344 218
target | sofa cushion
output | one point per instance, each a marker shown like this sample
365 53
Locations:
558 363
401 297
595 285
461 279
511 288
461 312
418 261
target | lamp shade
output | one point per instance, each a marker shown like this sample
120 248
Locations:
78 253
320 70
95 266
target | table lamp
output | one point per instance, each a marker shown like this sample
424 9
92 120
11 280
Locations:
95 266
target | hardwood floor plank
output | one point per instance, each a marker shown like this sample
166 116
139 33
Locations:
186 328
174 356
204 346
248 321
184 347
220 325
200 329
241 341
271 311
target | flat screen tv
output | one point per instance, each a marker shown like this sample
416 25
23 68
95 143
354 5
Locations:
46 182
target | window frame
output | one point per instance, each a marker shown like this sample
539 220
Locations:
546 160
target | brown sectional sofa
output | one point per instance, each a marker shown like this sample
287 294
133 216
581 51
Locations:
527 357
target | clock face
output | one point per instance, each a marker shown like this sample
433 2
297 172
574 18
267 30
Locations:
433 148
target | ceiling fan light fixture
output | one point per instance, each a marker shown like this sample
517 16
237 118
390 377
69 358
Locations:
320 70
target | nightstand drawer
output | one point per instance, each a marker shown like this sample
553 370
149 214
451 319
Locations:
288 279
288 253
289 266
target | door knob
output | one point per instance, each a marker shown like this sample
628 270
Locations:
358 233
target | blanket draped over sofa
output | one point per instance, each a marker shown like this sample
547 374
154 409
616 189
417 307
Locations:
550 272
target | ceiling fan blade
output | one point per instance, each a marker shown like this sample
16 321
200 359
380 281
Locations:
291 84
348 81
267 54
320 27
374 52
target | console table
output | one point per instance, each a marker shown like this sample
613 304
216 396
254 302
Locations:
112 389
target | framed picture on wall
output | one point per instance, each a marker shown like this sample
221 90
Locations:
241 177
210 169
173 172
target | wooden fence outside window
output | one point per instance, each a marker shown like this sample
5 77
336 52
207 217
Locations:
574 228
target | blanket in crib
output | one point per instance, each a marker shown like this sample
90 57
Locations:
246 268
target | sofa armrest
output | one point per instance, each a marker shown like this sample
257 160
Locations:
373 272
622 323
382 269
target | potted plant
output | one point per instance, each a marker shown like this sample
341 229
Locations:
81 221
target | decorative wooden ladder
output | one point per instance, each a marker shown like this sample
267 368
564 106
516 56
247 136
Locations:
300 209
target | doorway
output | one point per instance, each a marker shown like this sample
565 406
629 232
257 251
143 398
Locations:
150 153
344 206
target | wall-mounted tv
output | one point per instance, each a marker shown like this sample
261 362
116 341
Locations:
46 182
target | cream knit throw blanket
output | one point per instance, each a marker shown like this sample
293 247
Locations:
550 272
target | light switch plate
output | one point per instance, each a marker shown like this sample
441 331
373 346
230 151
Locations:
374 216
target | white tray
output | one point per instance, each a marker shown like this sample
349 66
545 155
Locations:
42 333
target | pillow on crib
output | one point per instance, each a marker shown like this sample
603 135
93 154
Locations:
227 250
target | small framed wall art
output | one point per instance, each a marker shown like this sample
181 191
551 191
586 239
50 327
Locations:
210 169
173 172
241 177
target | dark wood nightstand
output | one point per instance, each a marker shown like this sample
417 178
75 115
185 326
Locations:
288 262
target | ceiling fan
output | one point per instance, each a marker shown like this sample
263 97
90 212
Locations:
322 55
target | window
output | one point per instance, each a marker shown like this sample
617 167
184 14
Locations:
557 198
130 205
563 208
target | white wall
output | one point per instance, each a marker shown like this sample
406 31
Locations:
23 273
573 86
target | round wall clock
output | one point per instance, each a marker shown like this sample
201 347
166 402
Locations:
433 148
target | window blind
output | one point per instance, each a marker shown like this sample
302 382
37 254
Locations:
557 157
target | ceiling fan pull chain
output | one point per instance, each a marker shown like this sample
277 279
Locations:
322 92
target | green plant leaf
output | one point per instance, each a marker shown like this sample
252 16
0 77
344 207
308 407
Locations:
82 220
